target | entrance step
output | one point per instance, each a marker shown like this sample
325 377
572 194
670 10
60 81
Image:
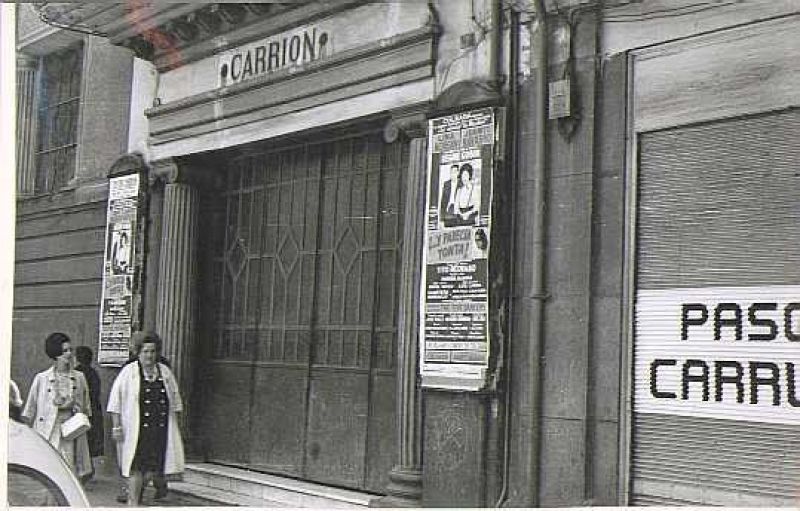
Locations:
225 498
240 487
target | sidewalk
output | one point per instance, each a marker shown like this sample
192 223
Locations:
102 491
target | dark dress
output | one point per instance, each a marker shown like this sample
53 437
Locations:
153 422
96 434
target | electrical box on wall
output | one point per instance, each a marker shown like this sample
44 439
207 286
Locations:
559 104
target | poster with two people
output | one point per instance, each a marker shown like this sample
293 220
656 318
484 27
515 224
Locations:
454 344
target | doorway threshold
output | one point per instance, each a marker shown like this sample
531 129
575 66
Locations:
242 487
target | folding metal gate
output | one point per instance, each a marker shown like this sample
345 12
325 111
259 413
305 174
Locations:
300 378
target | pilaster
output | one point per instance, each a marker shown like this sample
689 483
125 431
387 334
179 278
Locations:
405 479
26 124
176 315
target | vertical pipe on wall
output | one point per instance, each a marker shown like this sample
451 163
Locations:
538 225
513 153
528 286
497 424
494 43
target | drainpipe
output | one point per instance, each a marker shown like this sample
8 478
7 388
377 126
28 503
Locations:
494 44
513 158
538 254
539 60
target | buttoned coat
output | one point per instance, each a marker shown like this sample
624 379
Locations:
124 400
42 413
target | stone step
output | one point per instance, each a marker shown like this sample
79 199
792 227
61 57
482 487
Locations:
223 497
269 490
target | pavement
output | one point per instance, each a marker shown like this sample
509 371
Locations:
103 489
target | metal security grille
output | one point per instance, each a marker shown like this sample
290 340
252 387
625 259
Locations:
301 377
58 119
718 206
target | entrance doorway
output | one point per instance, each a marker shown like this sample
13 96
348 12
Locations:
299 373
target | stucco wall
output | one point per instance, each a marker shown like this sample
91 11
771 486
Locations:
105 103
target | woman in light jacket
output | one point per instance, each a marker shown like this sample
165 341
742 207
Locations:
56 395
145 405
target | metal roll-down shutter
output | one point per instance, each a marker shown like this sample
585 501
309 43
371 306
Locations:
718 230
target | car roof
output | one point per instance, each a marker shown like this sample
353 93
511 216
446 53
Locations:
28 449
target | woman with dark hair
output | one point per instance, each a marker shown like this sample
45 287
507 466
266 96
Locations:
465 196
96 435
56 395
145 404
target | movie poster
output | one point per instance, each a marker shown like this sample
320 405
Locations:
116 304
454 344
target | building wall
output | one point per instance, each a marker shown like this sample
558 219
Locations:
58 261
731 63
606 312
583 419
569 415
564 372
60 236
143 93
462 53
105 109
565 355
580 427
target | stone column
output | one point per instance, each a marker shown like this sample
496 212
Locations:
405 479
26 124
176 313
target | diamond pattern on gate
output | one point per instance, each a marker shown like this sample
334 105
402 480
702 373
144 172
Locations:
288 251
236 258
346 249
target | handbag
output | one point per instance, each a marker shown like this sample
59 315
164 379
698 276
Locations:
75 426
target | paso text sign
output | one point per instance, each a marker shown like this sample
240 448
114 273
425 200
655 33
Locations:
726 353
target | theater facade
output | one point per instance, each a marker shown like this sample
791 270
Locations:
467 254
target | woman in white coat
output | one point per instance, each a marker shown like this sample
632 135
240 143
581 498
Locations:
56 395
145 404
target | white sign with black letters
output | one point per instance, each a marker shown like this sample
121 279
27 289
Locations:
721 352
291 49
